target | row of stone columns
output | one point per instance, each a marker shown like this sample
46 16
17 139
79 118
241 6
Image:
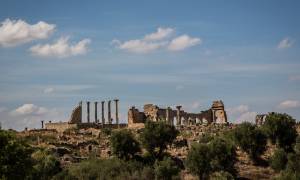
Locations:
178 115
109 119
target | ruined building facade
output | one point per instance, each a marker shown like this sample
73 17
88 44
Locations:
216 114
75 120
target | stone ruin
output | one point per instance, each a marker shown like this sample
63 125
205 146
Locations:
216 114
75 120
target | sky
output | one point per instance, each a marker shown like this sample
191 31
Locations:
54 54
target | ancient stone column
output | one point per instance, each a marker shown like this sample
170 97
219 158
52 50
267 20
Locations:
80 105
109 112
42 124
102 113
178 118
168 115
117 112
96 115
88 111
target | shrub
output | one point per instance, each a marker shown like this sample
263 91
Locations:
45 165
281 130
217 155
123 144
221 175
278 160
107 131
103 169
223 155
250 139
297 145
166 169
156 136
15 159
198 160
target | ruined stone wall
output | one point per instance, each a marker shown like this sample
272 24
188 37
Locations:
134 116
76 116
60 127
216 114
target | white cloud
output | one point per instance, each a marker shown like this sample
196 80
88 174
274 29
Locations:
157 40
241 114
61 48
48 90
183 42
288 104
238 110
247 117
161 33
285 43
141 46
29 109
16 32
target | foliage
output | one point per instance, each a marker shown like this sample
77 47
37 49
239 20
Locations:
123 144
204 159
107 131
250 139
103 169
15 160
223 155
45 165
166 169
278 160
221 175
297 145
198 160
281 130
156 136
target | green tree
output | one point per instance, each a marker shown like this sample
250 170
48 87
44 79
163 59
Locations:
15 159
166 169
198 160
223 155
281 130
156 136
45 165
278 160
217 155
123 144
250 139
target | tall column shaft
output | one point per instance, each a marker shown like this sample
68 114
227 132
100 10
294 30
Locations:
178 118
109 112
117 112
88 111
168 115
96 111
80 105
102 113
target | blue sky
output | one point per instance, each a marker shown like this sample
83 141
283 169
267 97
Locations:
54 54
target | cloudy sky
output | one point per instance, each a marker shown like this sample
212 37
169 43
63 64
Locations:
54 54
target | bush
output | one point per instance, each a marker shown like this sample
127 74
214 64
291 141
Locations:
217 155
15 159
156 136
107 131
281 130
123 144
297 145
198 160
250 139
166 169
221 175
45 165
103 169
278 160
223 155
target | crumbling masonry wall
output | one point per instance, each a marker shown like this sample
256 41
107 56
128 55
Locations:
216 114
